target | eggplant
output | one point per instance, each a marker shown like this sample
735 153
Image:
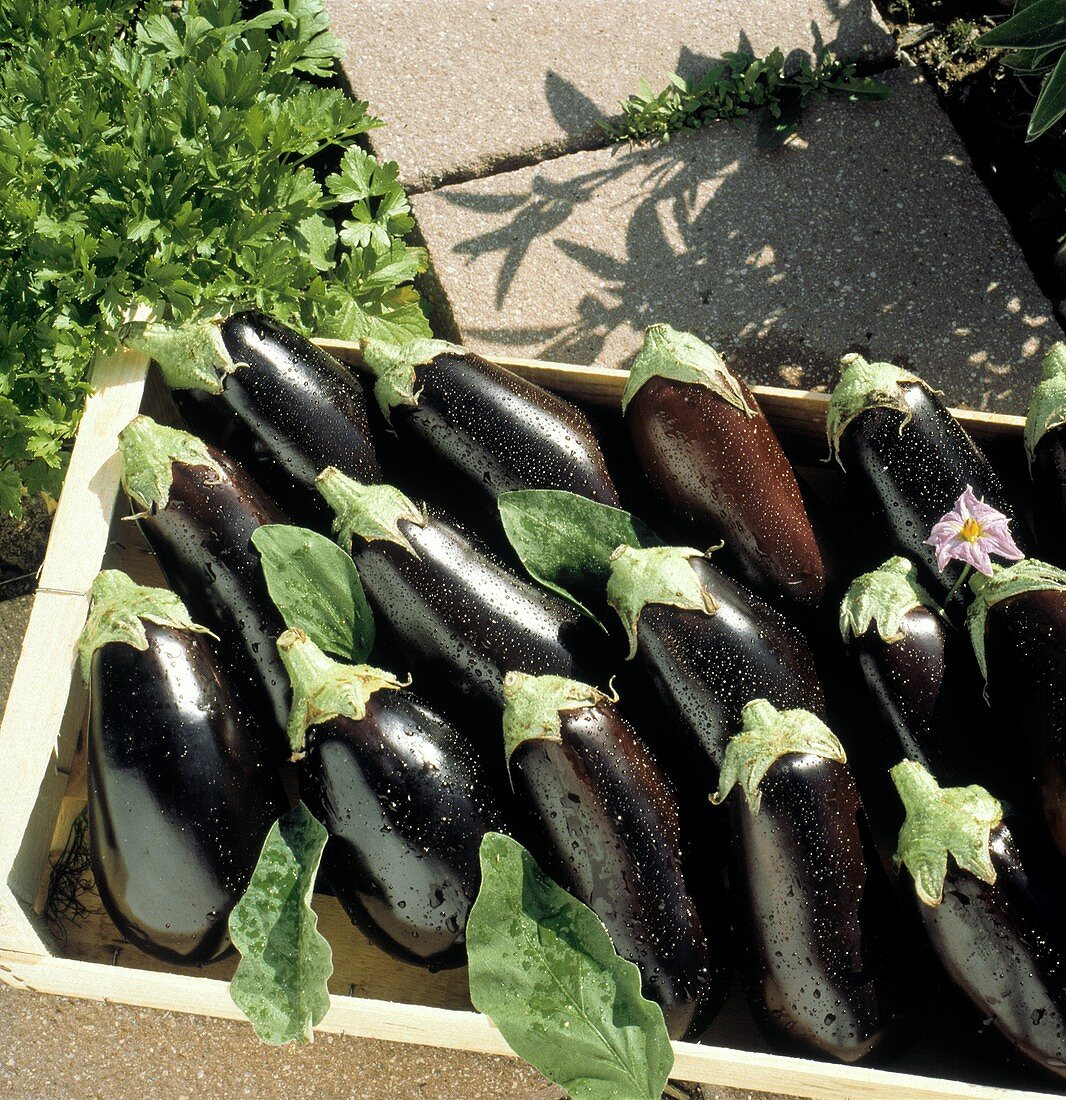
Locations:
403 796
998 929
181 797
269 398
998 926
708 645
491 429
198 511
910 460
455 610
1045 445
1017 623
709 451
603 821
814 914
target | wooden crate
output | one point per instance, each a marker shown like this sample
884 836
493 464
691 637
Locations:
42 789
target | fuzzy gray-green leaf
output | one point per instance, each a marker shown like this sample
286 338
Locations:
543 968
882 598
863 386
534 704
280 982
315 586
1047 406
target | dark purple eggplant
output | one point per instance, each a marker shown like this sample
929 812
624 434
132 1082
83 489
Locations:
491 429
181 797
909 459
1018 626
268 397
403 795
603 821
198 511
1002 942
813 911
989 914
708 645
1045 444
455 610
711 454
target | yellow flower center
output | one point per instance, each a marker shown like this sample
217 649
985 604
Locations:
970 530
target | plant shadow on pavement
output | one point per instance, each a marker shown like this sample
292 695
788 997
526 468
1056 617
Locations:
717 229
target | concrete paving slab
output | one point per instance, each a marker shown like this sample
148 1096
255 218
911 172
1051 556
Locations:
868 232
468 88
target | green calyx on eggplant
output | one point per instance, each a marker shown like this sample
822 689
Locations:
176 777
882 599
911 460
404 796
1045 444
199 511
267 396
708 644
993 914
455 610
813 910
604 821
766 734
711 453
497 431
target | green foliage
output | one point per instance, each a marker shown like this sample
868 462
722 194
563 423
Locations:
1035 35
736 86
162 154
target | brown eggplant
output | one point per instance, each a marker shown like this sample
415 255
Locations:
710 452
603 821
181 797
909 460
267 396
491 429
403 795
814 914
198 510
1018 626
455 610
1045 444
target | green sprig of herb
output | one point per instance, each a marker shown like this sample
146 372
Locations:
735 87
174 155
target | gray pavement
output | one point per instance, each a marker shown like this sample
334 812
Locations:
468 88
869 231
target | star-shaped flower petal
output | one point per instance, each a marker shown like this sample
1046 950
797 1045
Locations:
970 533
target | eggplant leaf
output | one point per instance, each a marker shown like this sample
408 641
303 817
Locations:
1051 105
565 541
315 586
543 968
1037 26
280 982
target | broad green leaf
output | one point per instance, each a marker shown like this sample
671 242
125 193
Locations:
1037 26
315 586
566 541
280 982
1051 104
543 969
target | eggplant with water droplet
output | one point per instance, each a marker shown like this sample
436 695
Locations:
603 821
198 511
1017 623
1045 444
1000 933
180 795
268 397
711 453
455 610
403 795
490 428
910 460
814 913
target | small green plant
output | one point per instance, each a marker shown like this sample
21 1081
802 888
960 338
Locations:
735 87
173 155
1035 35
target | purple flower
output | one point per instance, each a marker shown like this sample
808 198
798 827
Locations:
970 532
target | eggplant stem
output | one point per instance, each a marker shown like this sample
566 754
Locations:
962 578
